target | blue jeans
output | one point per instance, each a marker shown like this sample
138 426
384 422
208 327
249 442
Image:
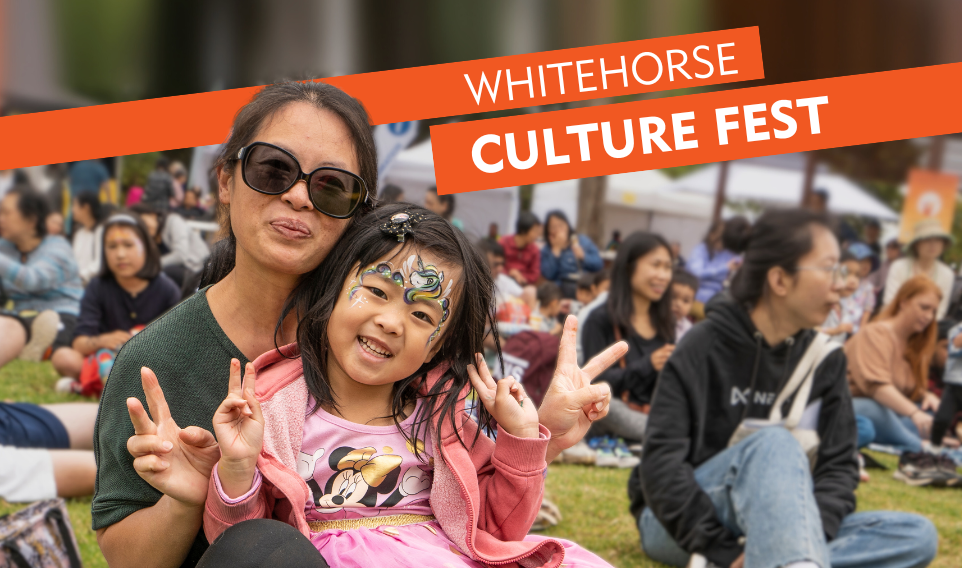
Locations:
891 429
761 488
866 431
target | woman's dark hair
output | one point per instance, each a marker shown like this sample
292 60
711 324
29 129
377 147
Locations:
734 232
446 200
526 220
390 193
780 237
621 308
558 214
92 200
472 310
248 122
32 205
151 267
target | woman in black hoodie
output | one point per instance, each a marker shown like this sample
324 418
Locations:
759 503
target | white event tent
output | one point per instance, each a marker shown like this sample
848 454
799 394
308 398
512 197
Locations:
413 171
634 201
773 186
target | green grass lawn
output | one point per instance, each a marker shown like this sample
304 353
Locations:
593 501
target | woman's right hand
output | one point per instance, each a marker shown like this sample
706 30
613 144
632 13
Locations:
923 422
177 462
239 427
660 356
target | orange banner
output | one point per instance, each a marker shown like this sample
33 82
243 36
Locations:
931 194
695 129
400 95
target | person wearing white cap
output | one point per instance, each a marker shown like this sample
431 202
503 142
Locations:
929 241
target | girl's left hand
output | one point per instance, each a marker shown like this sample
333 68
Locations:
930 402
505 400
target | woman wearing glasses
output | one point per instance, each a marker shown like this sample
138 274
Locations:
709 486
888 366
296 167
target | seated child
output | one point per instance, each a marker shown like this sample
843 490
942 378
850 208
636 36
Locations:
684 284
545 317
846 316
586 289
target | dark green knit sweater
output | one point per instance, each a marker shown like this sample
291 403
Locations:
190 354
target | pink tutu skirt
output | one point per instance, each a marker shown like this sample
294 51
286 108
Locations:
420 545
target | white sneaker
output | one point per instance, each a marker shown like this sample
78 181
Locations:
68 385
579 453
43 330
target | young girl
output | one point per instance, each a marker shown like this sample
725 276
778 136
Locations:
357 436
129 293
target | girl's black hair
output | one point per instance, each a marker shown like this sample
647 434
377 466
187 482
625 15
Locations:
463 333
32 204
620 305
780 237
248 122
557 213
92 200
151 267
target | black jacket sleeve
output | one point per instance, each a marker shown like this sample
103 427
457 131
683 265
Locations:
836 469
668 478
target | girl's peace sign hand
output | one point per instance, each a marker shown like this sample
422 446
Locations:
177 462
239 427
572 402
505 400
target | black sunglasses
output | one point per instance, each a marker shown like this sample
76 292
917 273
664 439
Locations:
271 170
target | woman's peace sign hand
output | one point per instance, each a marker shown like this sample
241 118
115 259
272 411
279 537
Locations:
505 401
177 462
571 402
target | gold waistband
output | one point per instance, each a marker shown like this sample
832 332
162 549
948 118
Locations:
369 522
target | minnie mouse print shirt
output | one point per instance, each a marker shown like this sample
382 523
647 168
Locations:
356 470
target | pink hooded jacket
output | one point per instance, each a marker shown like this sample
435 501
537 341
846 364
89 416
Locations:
485 497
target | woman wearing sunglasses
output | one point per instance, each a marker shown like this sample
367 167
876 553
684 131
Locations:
298 164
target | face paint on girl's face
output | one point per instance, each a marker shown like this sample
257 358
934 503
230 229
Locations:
388 320
424 283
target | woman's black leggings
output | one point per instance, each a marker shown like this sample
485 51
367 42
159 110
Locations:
262 542
951 403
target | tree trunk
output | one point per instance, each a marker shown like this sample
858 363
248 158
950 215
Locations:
591 202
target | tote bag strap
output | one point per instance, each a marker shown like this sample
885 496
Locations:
801 380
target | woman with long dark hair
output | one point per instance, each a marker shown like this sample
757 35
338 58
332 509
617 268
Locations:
723 475
279 226
638 311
